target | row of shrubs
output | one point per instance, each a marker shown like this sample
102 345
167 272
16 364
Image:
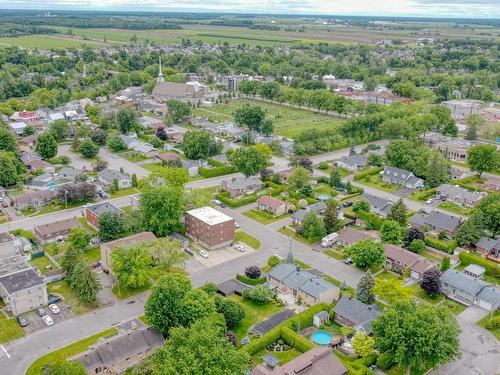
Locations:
356 366
305 318
216 171
235 203
446 246
369 172
372 220
247 280
491 269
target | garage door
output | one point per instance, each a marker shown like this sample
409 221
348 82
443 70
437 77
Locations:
484 305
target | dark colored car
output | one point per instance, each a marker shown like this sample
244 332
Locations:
189 251
23 322
347 204
40 311
347 260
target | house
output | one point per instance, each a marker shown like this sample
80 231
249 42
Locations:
378 205
151 122
185 92
397 259
108 176
239 186
469 290
284 175
317 361
34 199
28 141
272 205
355 314
401 177
169 158
21 287
353 162
475 271
8 245
70 173
55 230
193 166
93 213
18 127
492 183
116 354
209 227
457 194
318 208
489 248
145 148
232 286
349 236
310 289
108 247
42 165
436 222
44 181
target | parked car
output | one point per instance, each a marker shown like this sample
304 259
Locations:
204 254
40 311
429 201
54 308
23 322
347 260
47 320
240 248
217 202
87 204
347 204
236 224
5 205
425 210
189 251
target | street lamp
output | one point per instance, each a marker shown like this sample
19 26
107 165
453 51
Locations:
66 198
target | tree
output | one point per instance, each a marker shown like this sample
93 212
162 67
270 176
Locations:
99 137
364 289
391 290
391 232
331 216
489 206
7 141
260 294
299 178
335 177
88 149
200 144
46 146
131 265
471 230
253 272
250 117
59 130
29 130
194 198
363 344
483 158
167 252
445 264
412 234
77 192
63 367
111 227
164 305
178 109
161 209
79 238
398 213
267 127
249 160
431 281
84 282
265 149
116 144
169 175
249 87
232 310
70 259
361 205
196 304
417 246
474 122
126 119
200 349
417 335
367 253
313 226
134 180
443 115
11 169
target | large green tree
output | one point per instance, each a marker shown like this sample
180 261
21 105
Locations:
232 310
367 252
161 208
111 227
59 130
391 232
165 303
364 289
7 141
417 335
79 238
196 304
11 169
313 226
331 216
177 109
249 160
126 119
167 252
398 213
88 149
46 146
131 265
483 158
250 117
391 291
84 282
200 144
490 208
299 178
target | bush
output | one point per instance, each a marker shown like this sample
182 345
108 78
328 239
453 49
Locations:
417 246
385 361
260 294
235 203
491 268
447 247
493 323
372 221
264 341
247 280
253 272
216 171
294 339
273 261
370 172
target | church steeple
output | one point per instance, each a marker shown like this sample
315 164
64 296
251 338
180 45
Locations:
289 258
160 78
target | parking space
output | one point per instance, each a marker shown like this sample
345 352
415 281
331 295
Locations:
36 323
219 256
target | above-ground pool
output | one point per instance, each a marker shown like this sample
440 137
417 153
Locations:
323 197
321 337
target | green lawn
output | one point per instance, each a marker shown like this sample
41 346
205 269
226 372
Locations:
57 205
454 307
284 357
41 263
264 217
136 157
87 227
494 331
55 248
9 329
61 287
388 275
431 256
287 231
46 42
68 351
156 168
253 314
455 208
124 192
350 291
123 293
93 254
246 238
422 294
339 255
422 195
376 182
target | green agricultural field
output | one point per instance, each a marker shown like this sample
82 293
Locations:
288 122
46 42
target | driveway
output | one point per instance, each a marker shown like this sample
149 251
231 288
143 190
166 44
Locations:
36 323
116 162
480 349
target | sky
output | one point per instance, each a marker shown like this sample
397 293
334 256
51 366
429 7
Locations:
411 8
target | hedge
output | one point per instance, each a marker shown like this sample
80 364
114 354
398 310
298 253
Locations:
216 171
369 172
294 339
372 221
491 268
261 343
305 317
246 280
235 203
447 247
385 361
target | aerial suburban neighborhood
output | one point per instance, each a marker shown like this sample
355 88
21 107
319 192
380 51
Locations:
246 194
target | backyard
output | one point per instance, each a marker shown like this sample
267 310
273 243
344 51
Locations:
43 264
376 182
456 208
483 323
264 217
62 288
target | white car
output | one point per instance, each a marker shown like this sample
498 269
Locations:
204 254
88 204
236 224
47 320
429 201
240 247
54 308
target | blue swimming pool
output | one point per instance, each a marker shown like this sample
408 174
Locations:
323 197
321 337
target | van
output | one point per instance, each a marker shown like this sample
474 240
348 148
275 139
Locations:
329 240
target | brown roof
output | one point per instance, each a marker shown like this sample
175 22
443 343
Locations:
405 257
317 361
57 226
38 164
270 201
353 235
168 156
421 266
174 89
43 195
131 240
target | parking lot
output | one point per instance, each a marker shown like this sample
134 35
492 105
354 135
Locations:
219 256
36 323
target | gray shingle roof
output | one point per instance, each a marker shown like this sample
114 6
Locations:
355 160
457 192
488 243
110 174
282 270
377 203
18 281
239 183
437 219
357 312
461 281
491 295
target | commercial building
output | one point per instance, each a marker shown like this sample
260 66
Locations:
209 227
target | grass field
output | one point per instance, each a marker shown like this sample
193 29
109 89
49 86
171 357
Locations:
251 241
9 329
68 351
377 183
455 208
494 331
61 287
288 122
264 217
41 263
46 42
